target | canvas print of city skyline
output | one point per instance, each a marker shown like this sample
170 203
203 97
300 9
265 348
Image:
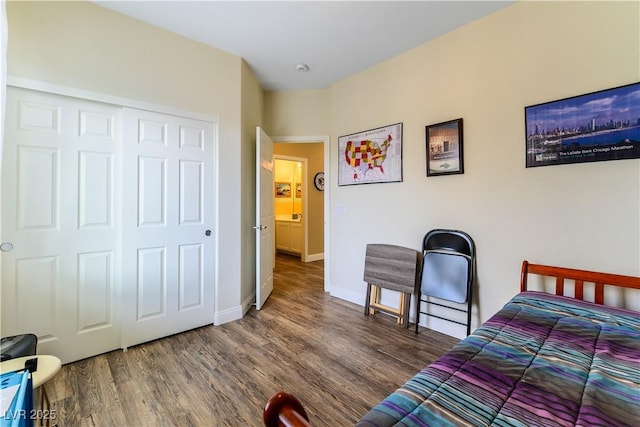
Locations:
598 126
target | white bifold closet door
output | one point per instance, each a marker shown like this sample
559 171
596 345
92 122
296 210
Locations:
59 210
107 209
168 242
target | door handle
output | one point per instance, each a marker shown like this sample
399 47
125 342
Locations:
207 233
260 227
6 246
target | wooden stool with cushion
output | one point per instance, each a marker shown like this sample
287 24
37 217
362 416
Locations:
391 267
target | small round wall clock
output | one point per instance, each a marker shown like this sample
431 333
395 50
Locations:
318 181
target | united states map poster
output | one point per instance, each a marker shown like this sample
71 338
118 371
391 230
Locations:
371 156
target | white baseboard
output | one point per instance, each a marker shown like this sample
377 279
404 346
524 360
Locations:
314 257
354 297
228 315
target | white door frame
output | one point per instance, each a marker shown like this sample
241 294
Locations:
326 140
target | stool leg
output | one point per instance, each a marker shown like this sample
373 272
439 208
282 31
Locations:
401 309
367 302
375 298
406 309
44 416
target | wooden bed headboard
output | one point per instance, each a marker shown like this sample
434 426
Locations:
580 277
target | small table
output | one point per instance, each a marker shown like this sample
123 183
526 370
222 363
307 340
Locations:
48 367
391 267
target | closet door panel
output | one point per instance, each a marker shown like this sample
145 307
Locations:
168 240
59 212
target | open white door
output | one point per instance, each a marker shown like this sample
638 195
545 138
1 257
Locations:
264 217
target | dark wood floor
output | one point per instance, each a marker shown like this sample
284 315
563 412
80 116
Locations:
322 349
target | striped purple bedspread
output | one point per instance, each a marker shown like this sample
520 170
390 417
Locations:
542 360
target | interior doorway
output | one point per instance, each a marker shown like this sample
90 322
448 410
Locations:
320 165
290 205
300 162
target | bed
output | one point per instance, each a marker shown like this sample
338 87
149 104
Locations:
544 359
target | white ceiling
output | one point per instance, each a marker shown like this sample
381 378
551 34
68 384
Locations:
334 38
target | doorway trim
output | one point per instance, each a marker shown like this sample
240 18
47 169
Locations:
326 140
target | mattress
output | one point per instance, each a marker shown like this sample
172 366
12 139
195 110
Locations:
542 360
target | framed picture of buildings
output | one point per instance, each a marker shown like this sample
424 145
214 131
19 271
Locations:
444 148
597 126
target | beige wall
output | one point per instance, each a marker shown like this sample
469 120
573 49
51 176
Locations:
581 215
314 153
84 46
297 113
304 113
